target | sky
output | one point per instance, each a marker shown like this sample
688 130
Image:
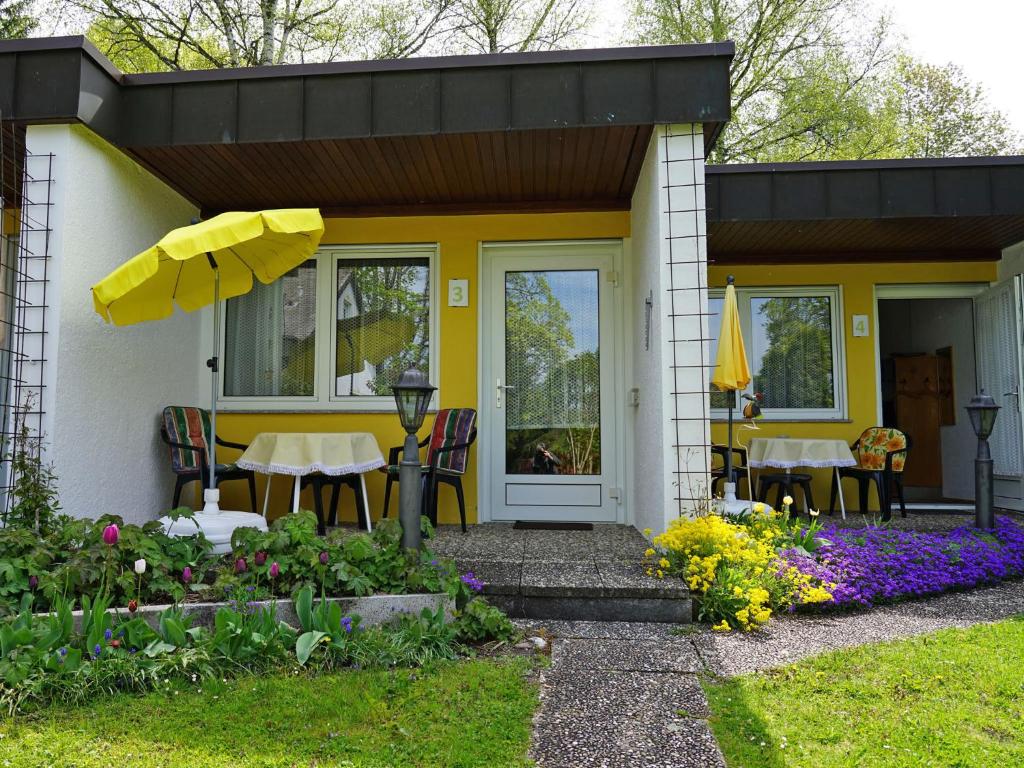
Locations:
983 37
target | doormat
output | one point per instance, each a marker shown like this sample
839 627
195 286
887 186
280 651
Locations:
526 525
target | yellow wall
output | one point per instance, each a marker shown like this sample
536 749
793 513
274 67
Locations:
458 238
857 281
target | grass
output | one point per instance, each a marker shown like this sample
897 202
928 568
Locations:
953 698
459 714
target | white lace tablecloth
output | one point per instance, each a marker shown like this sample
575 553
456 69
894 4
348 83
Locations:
302 453
791 452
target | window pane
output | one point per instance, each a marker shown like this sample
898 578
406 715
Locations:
383 323
719 399
270 338
553 373
791 351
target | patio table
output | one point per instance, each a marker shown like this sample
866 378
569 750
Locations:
788 452
303 453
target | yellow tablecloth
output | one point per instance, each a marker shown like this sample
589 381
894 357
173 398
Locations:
788 453
302 453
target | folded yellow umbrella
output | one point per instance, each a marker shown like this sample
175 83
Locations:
732 371
201 264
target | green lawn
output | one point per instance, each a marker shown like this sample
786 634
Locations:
953 698
471 713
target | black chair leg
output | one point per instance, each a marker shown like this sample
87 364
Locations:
387 493
780 495
883 496
252 490
832 494
179 481
457 483
898 478
862 493
332 514
808 498
362 513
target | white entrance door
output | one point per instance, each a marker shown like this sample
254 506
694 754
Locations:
548 399
997 327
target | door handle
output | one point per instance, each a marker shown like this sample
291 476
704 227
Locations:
498 389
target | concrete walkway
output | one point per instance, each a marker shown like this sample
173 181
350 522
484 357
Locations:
628 694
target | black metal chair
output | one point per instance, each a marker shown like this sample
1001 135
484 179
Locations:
453 433
787 482
740 470
881 453
320 481
186 430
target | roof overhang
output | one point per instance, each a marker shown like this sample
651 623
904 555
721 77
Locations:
558 129
882 210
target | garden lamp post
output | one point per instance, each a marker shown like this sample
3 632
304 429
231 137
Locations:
982 410
412 396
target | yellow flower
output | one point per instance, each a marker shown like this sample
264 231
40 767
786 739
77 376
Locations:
647 532
649 552
787 500
758 508
661 574
664 563
722 626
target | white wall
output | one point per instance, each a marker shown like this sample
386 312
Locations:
669 262
1012 262
106 386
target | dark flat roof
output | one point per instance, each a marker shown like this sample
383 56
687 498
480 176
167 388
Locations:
913 209
554 129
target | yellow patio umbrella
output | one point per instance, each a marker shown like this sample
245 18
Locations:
732 372
201 264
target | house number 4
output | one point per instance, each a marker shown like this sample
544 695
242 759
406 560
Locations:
860 325
458 293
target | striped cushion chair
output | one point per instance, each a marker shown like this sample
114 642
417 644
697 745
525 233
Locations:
881 454
186 430
447 458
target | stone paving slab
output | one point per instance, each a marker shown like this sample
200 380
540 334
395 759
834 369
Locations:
666 655
621 741
652 696
600 630
576 579
499 578
628 579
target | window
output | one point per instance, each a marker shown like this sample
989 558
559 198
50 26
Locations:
335 333
794 346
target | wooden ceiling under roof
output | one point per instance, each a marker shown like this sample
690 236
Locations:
546 169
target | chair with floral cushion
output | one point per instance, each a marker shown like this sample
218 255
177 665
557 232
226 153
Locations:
186 430
450 438
881 454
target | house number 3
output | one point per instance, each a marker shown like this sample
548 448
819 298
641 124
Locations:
458 293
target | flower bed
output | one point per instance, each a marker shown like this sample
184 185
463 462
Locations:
743 569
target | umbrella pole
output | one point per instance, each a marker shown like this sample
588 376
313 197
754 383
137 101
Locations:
728 448
214 369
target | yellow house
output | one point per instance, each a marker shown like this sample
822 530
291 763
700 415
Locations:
538 233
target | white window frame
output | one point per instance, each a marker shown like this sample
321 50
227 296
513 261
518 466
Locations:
835 295
323 398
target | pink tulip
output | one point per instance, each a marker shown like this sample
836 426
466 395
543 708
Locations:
275 570
261 558
240 565
324 558
186 574
111 534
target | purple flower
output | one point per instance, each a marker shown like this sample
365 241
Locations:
324 558
33 582
108 635
111 534
96 651
186 574
346 624
260 558
275 570
472 582
63 651
240 566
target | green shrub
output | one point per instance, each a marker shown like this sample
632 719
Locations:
480 621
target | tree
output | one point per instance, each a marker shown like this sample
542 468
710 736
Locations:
941 113
189 34
498 26
16 19
823 80
796 370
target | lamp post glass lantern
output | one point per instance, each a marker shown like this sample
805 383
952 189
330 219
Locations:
982 411
412 398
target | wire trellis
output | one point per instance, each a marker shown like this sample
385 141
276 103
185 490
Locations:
26 185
